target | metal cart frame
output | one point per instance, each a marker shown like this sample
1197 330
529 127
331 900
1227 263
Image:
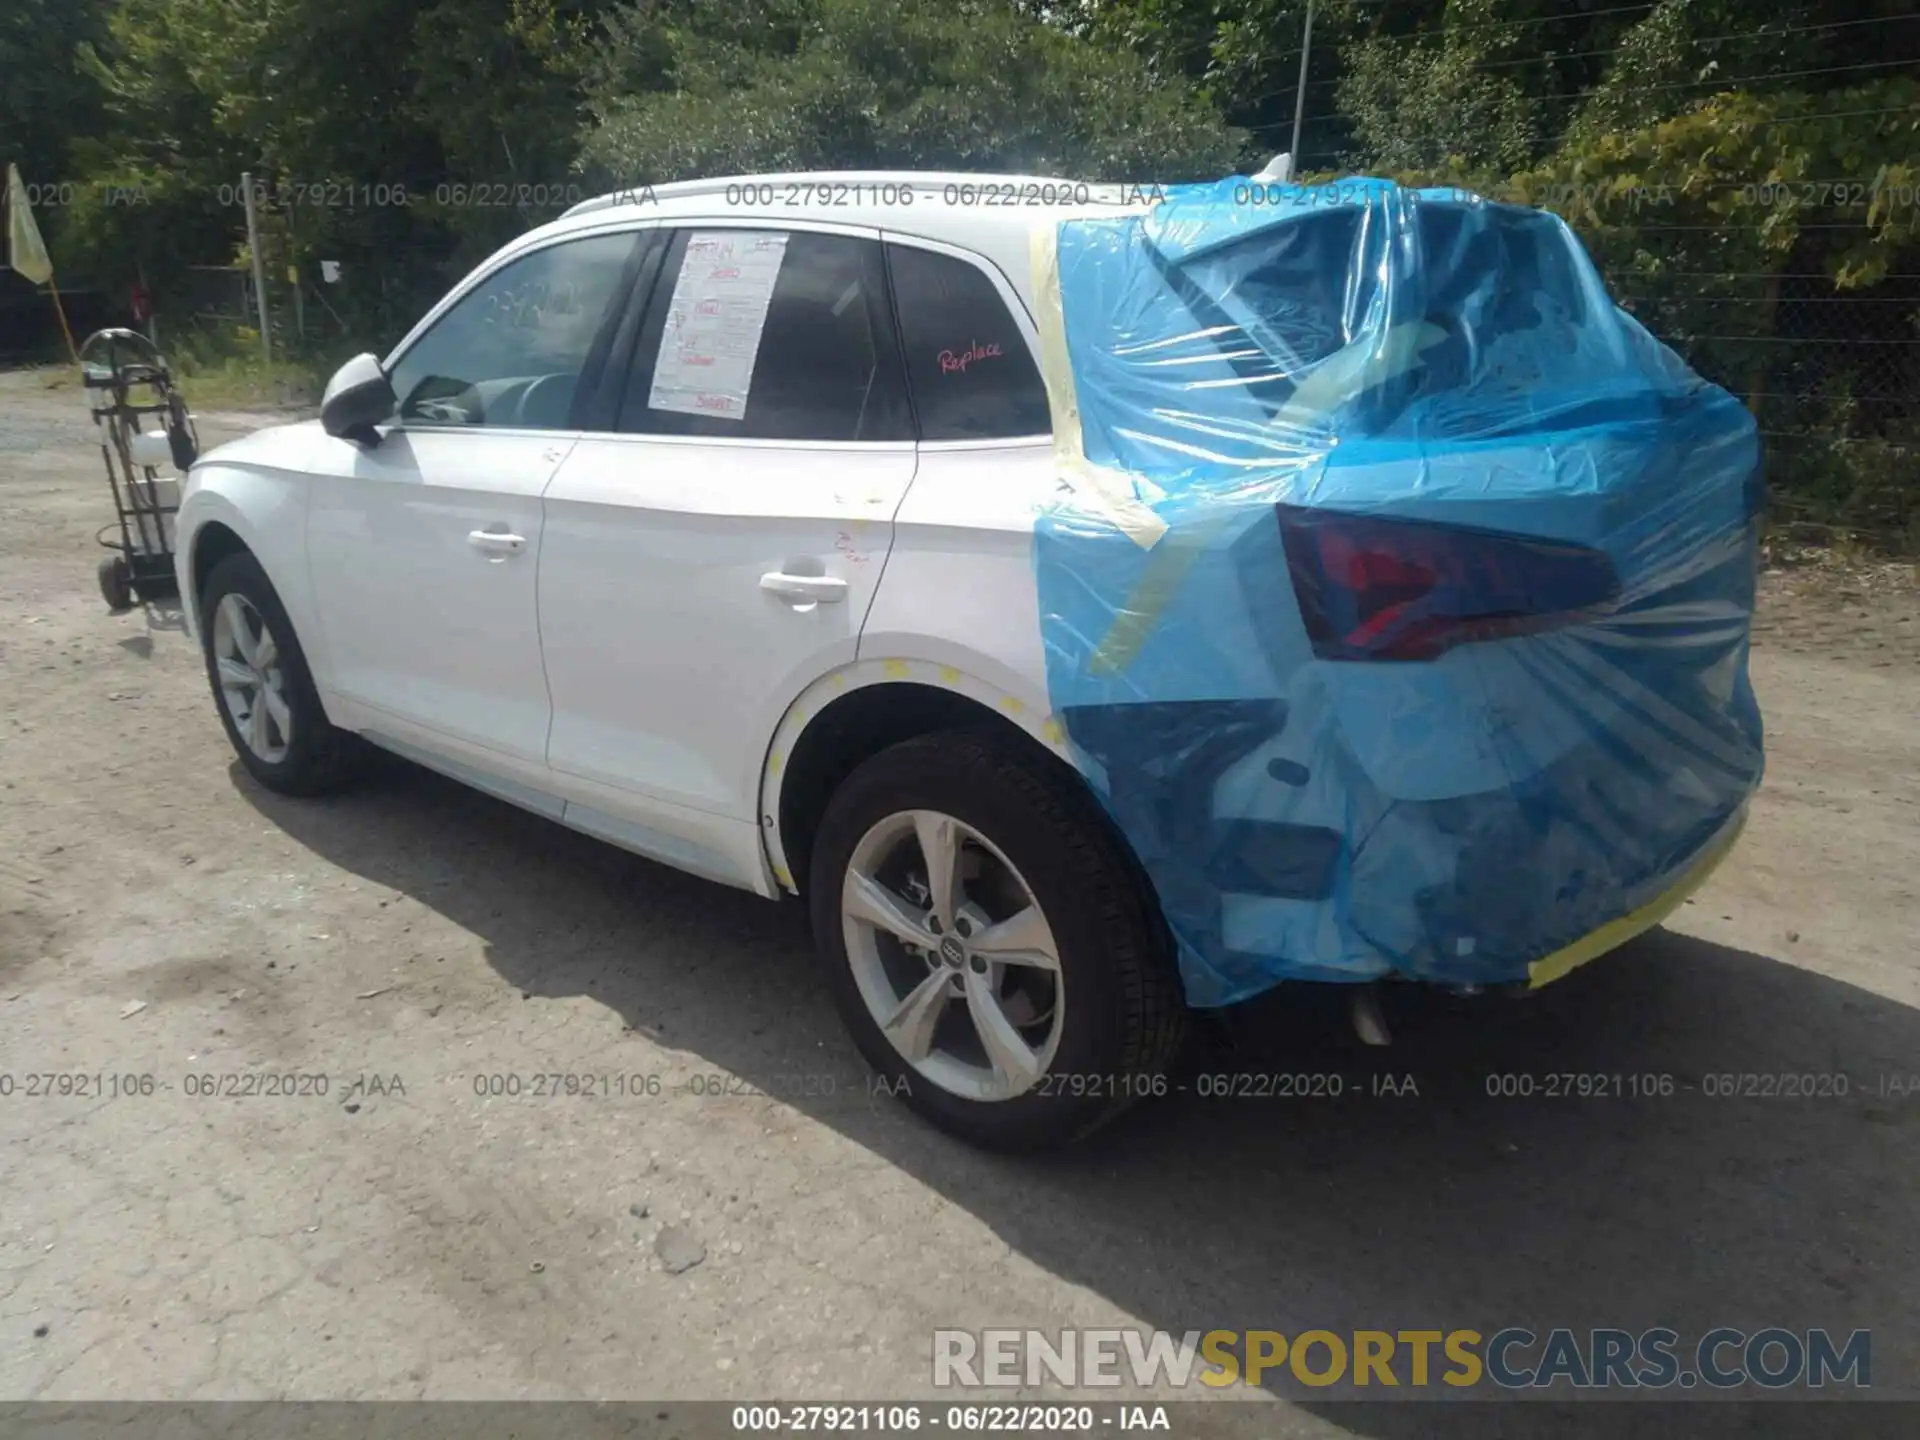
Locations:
127 380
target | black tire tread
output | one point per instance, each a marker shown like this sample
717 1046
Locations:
116 584
1156 1013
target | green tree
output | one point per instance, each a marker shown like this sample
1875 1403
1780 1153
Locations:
49 108
679 88
404 138
1699 220
1245 57
46 101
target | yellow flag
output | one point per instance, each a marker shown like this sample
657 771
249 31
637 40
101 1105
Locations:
25 249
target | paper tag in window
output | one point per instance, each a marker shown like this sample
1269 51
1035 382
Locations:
712 334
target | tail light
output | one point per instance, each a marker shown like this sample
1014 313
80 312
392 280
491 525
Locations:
1379 589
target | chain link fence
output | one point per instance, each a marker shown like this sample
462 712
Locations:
1832 375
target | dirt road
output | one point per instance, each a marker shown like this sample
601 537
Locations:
406 1234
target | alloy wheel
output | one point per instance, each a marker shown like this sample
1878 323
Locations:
252 683
953 955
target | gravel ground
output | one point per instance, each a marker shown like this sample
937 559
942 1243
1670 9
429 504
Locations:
787 1233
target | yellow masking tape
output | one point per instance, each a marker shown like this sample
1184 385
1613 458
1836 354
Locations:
1055 370
1107 491
1345 373
1331 384
1160 580
1616 933
1158 583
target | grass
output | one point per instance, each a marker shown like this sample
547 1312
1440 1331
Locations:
221 381
234 382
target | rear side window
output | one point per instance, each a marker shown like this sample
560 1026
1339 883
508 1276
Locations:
972 375
511 350
768 335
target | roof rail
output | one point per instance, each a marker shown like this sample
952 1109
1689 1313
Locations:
684 189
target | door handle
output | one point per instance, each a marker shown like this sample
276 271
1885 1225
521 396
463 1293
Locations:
496 542
805 589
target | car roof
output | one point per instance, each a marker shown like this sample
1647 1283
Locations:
869 197
986 213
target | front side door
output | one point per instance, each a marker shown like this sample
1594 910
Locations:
424 548
721 549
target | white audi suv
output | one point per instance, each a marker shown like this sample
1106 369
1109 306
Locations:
704 520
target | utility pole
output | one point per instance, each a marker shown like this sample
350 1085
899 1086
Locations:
259 268
1300 99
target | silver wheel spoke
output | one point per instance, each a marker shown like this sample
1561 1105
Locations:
1012 1058
969 957
867 899
939 841
1022 939
277 711
235 610
245 661
911 1025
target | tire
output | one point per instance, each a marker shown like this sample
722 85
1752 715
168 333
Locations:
116 583
1100 1028
315 757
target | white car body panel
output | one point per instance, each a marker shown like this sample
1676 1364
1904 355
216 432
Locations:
944 673
418 620
623 670
256 486
668 660
960 589
961 592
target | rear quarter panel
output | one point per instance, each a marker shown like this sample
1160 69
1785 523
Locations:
959 586
956 609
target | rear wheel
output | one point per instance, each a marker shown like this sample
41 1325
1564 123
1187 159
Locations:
263 689
991 946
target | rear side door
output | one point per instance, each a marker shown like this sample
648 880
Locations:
424 547
720 548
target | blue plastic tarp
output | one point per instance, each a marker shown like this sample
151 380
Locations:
1397 605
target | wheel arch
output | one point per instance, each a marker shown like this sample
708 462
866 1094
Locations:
212 542
860 709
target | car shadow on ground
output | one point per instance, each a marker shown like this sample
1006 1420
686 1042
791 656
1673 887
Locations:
1452 1207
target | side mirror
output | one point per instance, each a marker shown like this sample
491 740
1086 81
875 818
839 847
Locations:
359 397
